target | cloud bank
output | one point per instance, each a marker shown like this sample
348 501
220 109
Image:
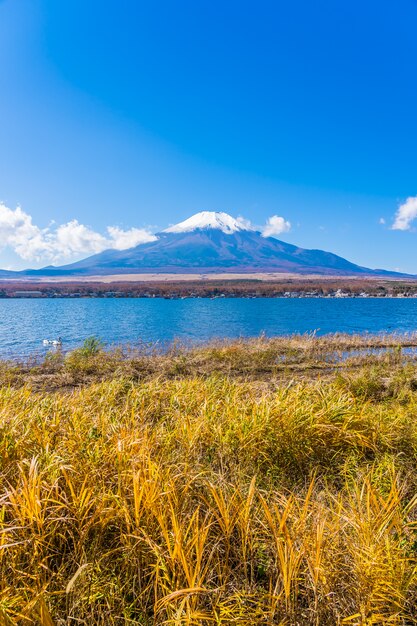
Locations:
64 241
406 214
276 225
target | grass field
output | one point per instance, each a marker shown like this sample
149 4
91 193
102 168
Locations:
252 482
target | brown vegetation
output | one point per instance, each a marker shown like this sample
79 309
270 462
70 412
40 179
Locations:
261 482
243 287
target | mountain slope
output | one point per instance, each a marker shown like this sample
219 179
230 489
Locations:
211 242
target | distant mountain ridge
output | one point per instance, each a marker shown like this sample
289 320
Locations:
209 242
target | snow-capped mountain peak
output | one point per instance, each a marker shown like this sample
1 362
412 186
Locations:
210 219
210 242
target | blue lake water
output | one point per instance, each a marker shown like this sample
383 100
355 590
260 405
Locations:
25 323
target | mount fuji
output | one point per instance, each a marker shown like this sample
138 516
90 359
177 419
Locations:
210 242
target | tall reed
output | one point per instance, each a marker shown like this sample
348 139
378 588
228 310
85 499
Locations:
210 500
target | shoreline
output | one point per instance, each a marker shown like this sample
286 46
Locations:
215 287
257 357
225 297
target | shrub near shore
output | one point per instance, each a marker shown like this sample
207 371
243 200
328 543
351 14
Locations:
250 493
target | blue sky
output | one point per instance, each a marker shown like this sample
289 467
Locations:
135 115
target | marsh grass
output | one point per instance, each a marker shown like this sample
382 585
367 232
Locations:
147 493
261 358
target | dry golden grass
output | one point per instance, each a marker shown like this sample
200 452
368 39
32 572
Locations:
216 498
261 358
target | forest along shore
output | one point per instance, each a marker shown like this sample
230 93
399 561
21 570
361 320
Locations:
173 288
246 482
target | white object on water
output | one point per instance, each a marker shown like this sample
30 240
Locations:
52 342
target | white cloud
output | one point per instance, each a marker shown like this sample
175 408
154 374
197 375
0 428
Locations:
64 241
275 225
406 214
17 229
382 220
124 239
244 223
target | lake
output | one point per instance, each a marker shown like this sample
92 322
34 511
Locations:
25 323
